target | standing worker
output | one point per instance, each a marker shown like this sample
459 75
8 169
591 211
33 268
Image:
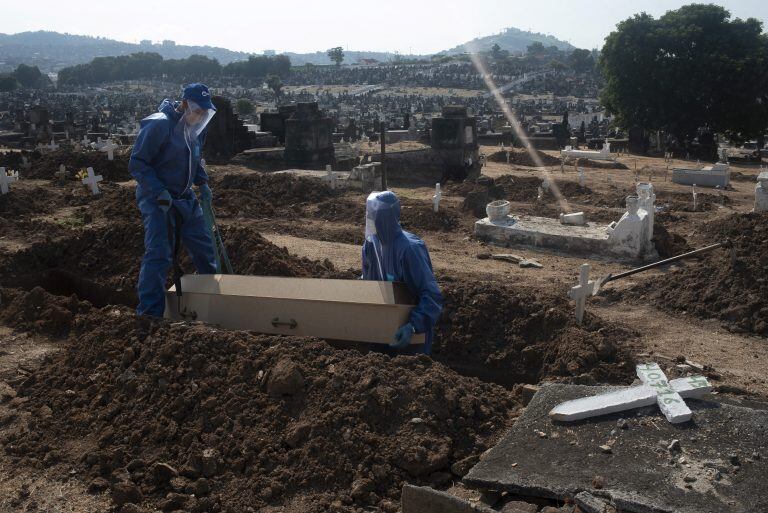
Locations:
392 254
166 162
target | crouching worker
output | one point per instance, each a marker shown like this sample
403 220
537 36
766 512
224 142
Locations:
392 254
166 162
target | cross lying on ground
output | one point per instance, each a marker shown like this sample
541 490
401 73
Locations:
6 180
92 181
655 389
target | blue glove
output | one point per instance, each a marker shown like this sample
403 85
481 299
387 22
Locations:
164 201
403 336
206 195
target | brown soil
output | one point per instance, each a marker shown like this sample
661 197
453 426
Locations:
517 334
736 292
44 165
188 417
520 157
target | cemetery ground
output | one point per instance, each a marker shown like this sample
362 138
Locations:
100 410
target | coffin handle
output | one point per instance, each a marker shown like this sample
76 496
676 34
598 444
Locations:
291 324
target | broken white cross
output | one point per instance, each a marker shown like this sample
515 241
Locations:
669 395
92 181
436 198
6 179
582 291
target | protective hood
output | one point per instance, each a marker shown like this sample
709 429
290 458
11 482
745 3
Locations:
168 107
382 227
382 216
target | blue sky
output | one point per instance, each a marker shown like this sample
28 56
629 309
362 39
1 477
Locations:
300 26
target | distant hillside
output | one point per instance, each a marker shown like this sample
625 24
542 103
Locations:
512 40
51 51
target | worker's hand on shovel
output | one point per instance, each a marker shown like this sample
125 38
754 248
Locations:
403 336
206 195
164 201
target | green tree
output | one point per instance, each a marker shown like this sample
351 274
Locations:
692 68
275 84
30 77
581 61
495 50
8 83
336 55
244 106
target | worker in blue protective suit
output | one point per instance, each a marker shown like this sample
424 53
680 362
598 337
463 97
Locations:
166 162
392 254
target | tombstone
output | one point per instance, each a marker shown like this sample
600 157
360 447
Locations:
309 137
92 181
582 177
6 179
331 176
761 192
436 198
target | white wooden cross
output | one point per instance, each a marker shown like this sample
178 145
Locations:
86 141
695 194
53 146
6 179
582 291
92 181
109 147
669 395
436 198
61 174
331 175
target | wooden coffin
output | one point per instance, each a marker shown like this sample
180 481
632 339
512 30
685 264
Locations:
352 310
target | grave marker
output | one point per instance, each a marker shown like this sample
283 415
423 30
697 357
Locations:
92 181
6 180
61 174
436 198
110 148
582 291
655 389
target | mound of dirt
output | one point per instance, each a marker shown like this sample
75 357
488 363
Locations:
44 165
521 157
260 195
521 335
111 256
735 292
186 417
252 254
26 201
344 209
420 217
601 164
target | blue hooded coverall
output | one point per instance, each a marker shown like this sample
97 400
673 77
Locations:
404 258
160 161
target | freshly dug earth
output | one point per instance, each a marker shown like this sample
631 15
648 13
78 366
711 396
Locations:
513 334
44 165
110 256
521 157
186 417
267 194
715 287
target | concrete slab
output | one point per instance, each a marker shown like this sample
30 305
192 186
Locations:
590 239
720 465
718 175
